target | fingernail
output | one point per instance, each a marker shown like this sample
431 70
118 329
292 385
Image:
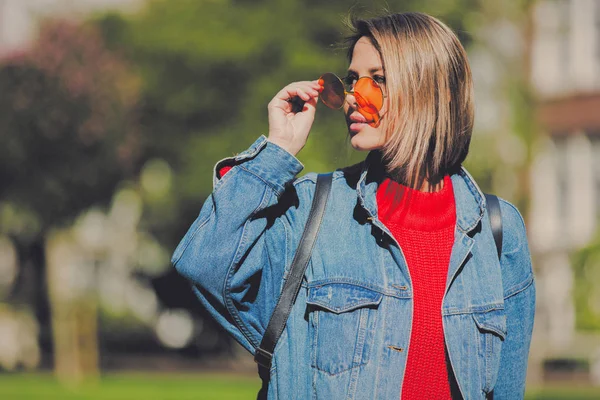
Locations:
321 82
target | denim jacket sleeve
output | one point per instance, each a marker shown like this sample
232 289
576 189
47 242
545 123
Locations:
225 253
519 305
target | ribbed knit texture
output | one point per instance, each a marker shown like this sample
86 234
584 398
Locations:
423 224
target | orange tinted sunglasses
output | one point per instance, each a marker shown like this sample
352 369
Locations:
367 92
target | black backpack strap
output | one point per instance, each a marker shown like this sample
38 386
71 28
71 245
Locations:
493 206
264 353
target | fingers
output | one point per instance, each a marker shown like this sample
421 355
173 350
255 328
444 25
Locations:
308 94
305 90
312 101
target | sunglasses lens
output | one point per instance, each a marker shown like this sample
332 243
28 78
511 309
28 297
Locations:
333 93
368 94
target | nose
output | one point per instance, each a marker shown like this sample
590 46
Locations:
351 100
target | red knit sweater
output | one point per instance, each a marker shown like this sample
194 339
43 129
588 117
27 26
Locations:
423 224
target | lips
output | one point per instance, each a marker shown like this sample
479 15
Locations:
357 118
356 123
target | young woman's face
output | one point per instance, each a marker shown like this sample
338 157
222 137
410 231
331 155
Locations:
365 62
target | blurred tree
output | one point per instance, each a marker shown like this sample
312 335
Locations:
67 127
68 139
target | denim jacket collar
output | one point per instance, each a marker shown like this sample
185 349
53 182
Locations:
470 200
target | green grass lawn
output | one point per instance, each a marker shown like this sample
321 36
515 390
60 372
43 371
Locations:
132 386
205 386
563 393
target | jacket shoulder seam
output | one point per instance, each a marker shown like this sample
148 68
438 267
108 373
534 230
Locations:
508 203
518 213
274 188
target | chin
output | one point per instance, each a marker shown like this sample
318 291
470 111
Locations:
360 141
357 145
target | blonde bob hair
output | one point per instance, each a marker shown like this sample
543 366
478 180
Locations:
429 117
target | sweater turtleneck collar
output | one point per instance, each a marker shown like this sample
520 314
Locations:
414 209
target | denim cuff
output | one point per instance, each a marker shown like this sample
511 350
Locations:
268 161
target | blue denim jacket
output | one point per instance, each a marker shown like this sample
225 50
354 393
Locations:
348 333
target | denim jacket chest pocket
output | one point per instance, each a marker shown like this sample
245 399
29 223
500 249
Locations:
342 323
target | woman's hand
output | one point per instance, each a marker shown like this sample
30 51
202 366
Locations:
289 129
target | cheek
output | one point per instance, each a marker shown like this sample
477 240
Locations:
375 133
369 139
384 107
379 133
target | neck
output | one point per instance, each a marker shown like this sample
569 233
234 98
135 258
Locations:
431 186
428 185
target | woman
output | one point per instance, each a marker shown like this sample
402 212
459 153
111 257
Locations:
404 296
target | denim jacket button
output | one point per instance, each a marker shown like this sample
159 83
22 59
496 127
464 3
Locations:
396 348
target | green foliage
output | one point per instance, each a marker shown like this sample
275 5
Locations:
586 293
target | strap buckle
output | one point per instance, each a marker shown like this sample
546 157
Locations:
263 358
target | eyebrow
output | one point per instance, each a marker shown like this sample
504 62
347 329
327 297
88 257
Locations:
372 70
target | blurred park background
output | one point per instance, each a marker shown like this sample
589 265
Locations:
113 113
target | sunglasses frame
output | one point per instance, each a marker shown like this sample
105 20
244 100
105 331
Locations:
346 92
